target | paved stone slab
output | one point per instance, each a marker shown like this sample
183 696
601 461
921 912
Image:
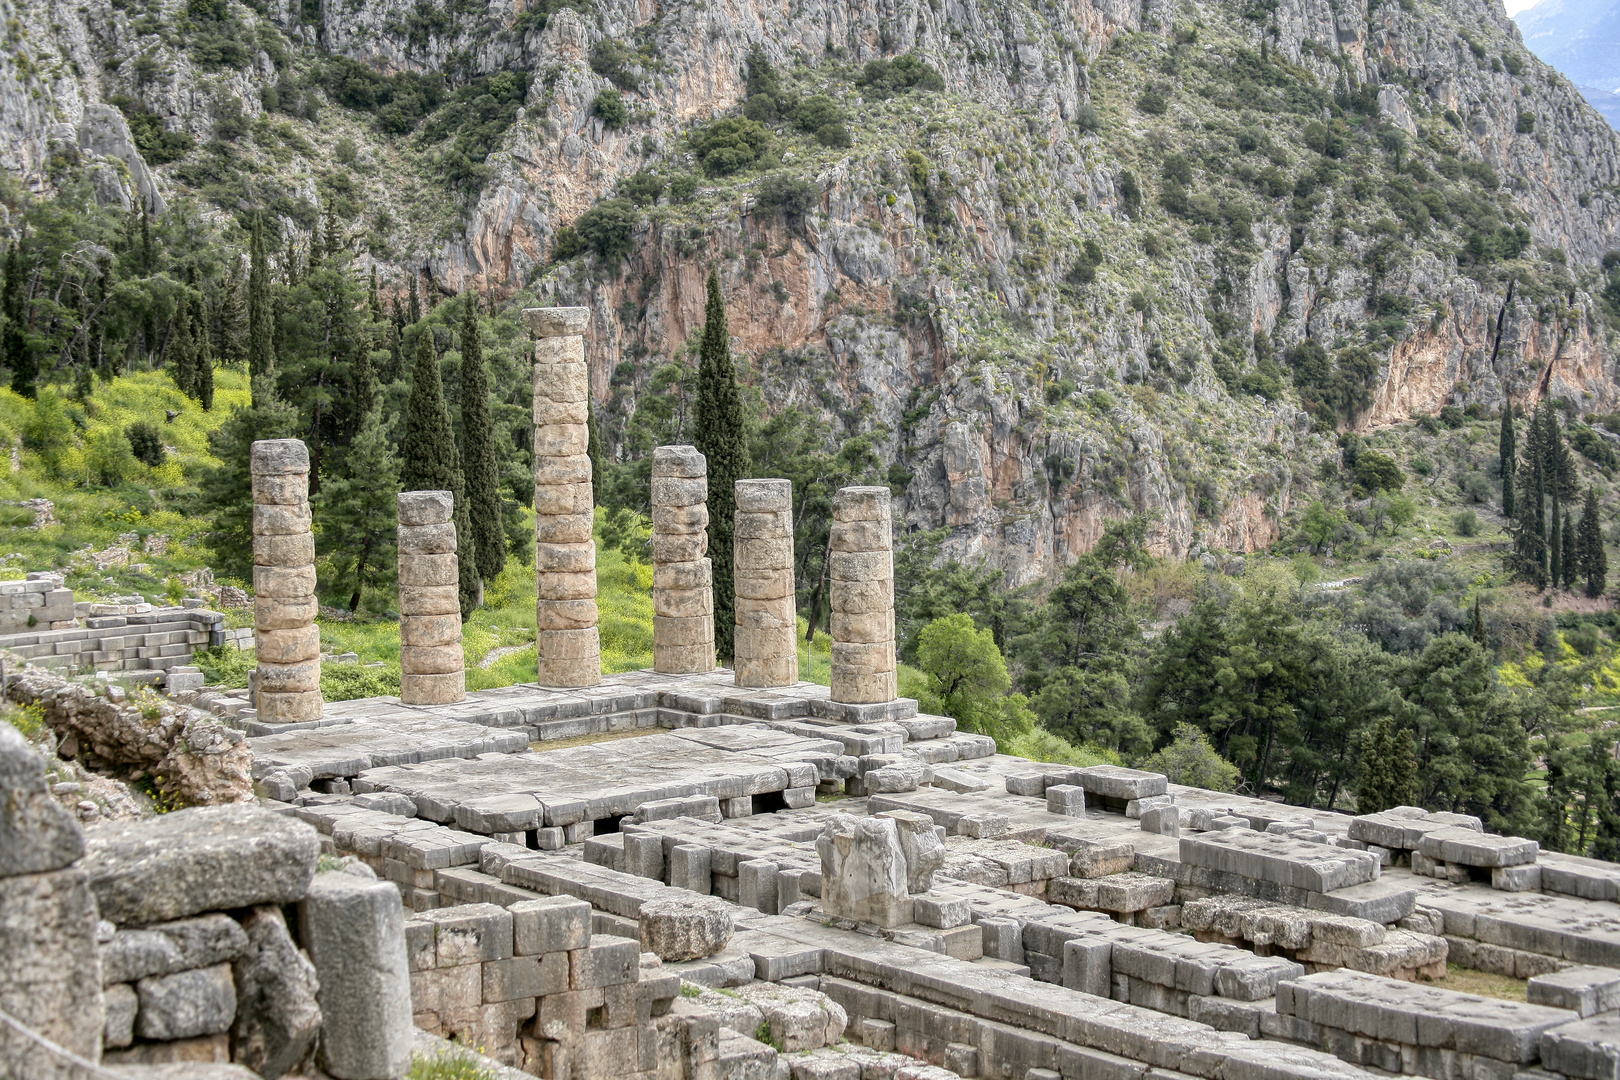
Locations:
1468 848
1282 860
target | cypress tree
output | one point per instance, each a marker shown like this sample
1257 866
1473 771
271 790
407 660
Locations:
19 356
1571 555
1403 769
1555 548
1508 449
414 313
363 381
1529 562
477 432
1477 630
373 299
429 461
1594 561
184 346
1606 793
593 450
719 432
261 332
205 382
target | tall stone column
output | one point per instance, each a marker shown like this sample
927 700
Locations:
683 592
862 572
284 630
430 658
767 647
570 652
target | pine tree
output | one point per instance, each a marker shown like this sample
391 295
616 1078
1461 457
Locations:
1594 561
1570 562
261 332
719 432
429 461
1509 454
357 512
226 491
478 438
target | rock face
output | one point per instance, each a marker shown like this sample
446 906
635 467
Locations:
289 643
683 591
201 859
566 638
432 670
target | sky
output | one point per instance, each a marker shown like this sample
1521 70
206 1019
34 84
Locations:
1516 6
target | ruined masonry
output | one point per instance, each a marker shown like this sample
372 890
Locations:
566 638
430 657
862 571
288 689
683 594
766 646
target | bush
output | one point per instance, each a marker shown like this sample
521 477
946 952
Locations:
345 682
729 145
682 187
609 107
608 228
815 113
791 195
835 135
146 443
642 188
1378 472
1087 119
883 78
1191 760
1153 102
611 60
1465 523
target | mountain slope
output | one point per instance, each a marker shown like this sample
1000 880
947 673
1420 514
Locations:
1120 256
1581 38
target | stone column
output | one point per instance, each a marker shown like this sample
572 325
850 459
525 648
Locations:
570 653
683 593
284 630
430 659
862 572
767 646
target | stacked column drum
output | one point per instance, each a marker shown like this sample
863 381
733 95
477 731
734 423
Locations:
862 571
683 593
288 688
565 558
430 657
766 648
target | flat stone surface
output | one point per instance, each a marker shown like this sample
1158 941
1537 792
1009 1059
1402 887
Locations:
1468 848
1282 860
200 859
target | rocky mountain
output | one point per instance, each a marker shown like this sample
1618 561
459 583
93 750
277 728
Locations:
1580 38
1060 261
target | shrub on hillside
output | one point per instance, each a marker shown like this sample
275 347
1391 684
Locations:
607 228
882 78
729 145
146 443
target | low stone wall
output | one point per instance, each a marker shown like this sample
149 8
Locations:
39 601
155 641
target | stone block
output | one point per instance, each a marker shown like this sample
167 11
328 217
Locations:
1587 1049
690 867
422 600
273 457
445 689
273 520
553 322
425 508
680 927
525 977
426 540
186 1004
37 833
470 934
607 962
1585 990
278 1017
756 885
551 924
290 707
941 911
354 930
763 496
49 978
561 528
1087 965
1468 848
430 659
863 871
302 678
198 859
297 549
121 1005
1066 799
1524 878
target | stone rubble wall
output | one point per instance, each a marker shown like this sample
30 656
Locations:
862 573
288 687
683 591
566 639
430 658
766 646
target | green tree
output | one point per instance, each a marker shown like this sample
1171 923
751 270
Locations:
1508 459
1378 472
429 461
225 493
1190 759
261 320
1569 561
482 477
18 351
720 433
1388 768
968 680
1320 525
1402 510
358 513
183 350
1528 560
1592 559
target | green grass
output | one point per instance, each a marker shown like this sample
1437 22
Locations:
1469 981
448 1064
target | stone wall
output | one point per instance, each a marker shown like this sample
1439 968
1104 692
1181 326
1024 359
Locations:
157 641
39 602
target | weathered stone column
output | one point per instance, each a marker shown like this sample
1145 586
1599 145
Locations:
767 647
862 572
683 593
570 652
430 658
284 630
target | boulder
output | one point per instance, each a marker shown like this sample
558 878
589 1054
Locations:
798 1018
683 927
278 1017
202 859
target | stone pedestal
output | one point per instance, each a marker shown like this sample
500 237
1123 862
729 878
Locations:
766 649
862 573
430 659
284 630
566 638
683 593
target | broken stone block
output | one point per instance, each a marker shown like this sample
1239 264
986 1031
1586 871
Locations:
798 1018
206 858
863 871
684 927
923 844
37 833
48 971
186 1004
277 1015
1095 858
